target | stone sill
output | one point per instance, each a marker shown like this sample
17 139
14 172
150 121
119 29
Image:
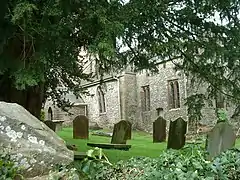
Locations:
101 114
175 109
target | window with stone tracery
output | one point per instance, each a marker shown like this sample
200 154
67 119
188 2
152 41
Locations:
101 100
173 94
145 93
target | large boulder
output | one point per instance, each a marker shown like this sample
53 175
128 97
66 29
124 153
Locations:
32 144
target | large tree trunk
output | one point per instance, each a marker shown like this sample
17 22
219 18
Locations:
30 98
34 100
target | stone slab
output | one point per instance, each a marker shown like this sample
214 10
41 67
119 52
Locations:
80 155
125 147
102 134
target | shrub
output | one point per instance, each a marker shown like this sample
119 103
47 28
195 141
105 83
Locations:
42 116
186 164
8 170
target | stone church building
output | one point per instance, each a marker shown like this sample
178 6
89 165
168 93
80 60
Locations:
137 97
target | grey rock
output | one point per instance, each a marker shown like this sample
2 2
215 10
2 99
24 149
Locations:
30 142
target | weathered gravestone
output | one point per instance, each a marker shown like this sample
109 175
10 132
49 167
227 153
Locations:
80 127
176 135
120 132
159 130
51 125
219 139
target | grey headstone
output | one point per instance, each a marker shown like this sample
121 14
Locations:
177 132
159 130
220 138
120 132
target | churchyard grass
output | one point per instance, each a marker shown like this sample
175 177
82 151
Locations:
142 145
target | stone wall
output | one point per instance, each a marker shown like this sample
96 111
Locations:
57 113
209 111
123 99
158 84
111 94
128 97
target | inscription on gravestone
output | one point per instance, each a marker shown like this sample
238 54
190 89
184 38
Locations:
120 132
177 132
80 127
219 139
159 130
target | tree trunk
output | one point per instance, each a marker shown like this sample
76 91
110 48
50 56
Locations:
30 98
35 99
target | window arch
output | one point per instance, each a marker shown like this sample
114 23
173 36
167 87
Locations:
101 100
50 114
174 96
145 98
176 91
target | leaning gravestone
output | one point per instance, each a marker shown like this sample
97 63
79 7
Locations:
120 132
30 143
176 136
159 130
51 125
219 139
80 127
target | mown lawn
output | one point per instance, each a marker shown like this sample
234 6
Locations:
141 142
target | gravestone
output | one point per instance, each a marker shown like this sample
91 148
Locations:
129 131
120 132
80 127
176 135
159 130
51 125
219 139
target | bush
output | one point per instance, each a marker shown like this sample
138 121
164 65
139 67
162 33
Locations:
42 115
186 164
8 170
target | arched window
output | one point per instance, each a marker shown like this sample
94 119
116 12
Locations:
101 100
174 96
176 91
145 98
171 95
50 114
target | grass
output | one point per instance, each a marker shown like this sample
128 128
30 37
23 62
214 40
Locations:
141 142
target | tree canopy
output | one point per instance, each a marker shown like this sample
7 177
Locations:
203 34
41 40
